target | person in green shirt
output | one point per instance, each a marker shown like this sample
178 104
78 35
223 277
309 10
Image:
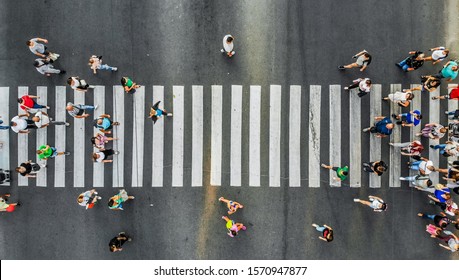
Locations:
341 172
45 152
128 85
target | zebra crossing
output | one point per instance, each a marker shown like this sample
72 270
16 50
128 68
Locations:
210 160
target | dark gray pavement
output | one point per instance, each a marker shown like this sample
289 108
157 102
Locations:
178 43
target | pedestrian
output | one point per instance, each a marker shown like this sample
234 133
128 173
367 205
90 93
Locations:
40 49
100 140
448 149
116 202
433 131
156 113
228 45
78 84
420 182
3 127
413 118
401 98
438 54
44 67
376 167
233 227
96 64
435 232
103 155
410 149
441 194
453 129
20 124
7 207
412 62
449 71
452 241
326 231
362 62
375 202
341 172
452 95
118 241
46 152
128 85
28 169
232 205
441 220
382 127
88 199
363 84
42 120
79 111
428 84
29 105
104 123
424 166
454 114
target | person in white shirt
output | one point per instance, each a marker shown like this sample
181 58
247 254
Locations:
78 84
376 203
96 64
228 45
20 124
44 67
364 85
42 120
438 54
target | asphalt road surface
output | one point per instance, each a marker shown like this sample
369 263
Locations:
177 43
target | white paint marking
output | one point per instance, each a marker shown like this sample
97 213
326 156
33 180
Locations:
216 140
178 130
197 144
41 134
396 137
138 137
295 137
5 135
375 142
118 131
158 140
355 130
236 135
78 144
60 131
314 136
98 168
23 141
335 131
254 136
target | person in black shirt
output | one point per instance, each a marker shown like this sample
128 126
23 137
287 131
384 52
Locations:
412 62
117 242
28 169
439 220
377 167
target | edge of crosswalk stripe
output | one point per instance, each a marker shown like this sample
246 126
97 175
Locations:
334 132
98 168
60 136
254 136
22 141
236 135
178 136
216 136
5 137
275 124
434 117
197 156
355 130
41 135
118 145
396 137
158 142
138 139
375 142
294 157
315 99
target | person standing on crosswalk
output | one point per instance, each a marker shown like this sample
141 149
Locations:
20 124
341 172
46 152
104 123
96 64
78 84
363 84
376 203
42 120
382 128
28 169
156 112
79 111
29 105
363 60
228 45
103 155
44 67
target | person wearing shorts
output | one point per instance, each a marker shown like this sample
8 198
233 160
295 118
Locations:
156 112
104 124
429 84
341 172
46 152
362 62
103 155
326 231
376 203
363 84
232 205
233 227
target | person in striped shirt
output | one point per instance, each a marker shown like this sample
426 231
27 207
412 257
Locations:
79 111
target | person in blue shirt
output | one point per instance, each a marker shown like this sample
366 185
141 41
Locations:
104 124
156 112
413 118
383 127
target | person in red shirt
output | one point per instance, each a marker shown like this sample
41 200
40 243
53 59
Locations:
454 94
27 102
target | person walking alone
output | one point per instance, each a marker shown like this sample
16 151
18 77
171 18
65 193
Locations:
410 149
28 169
438 55
116 202
363 84
362 62
117 242
156 113
412 62
326 231
78 84
376 203
96 64
228 45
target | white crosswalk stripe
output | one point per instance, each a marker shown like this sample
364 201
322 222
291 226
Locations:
297 161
